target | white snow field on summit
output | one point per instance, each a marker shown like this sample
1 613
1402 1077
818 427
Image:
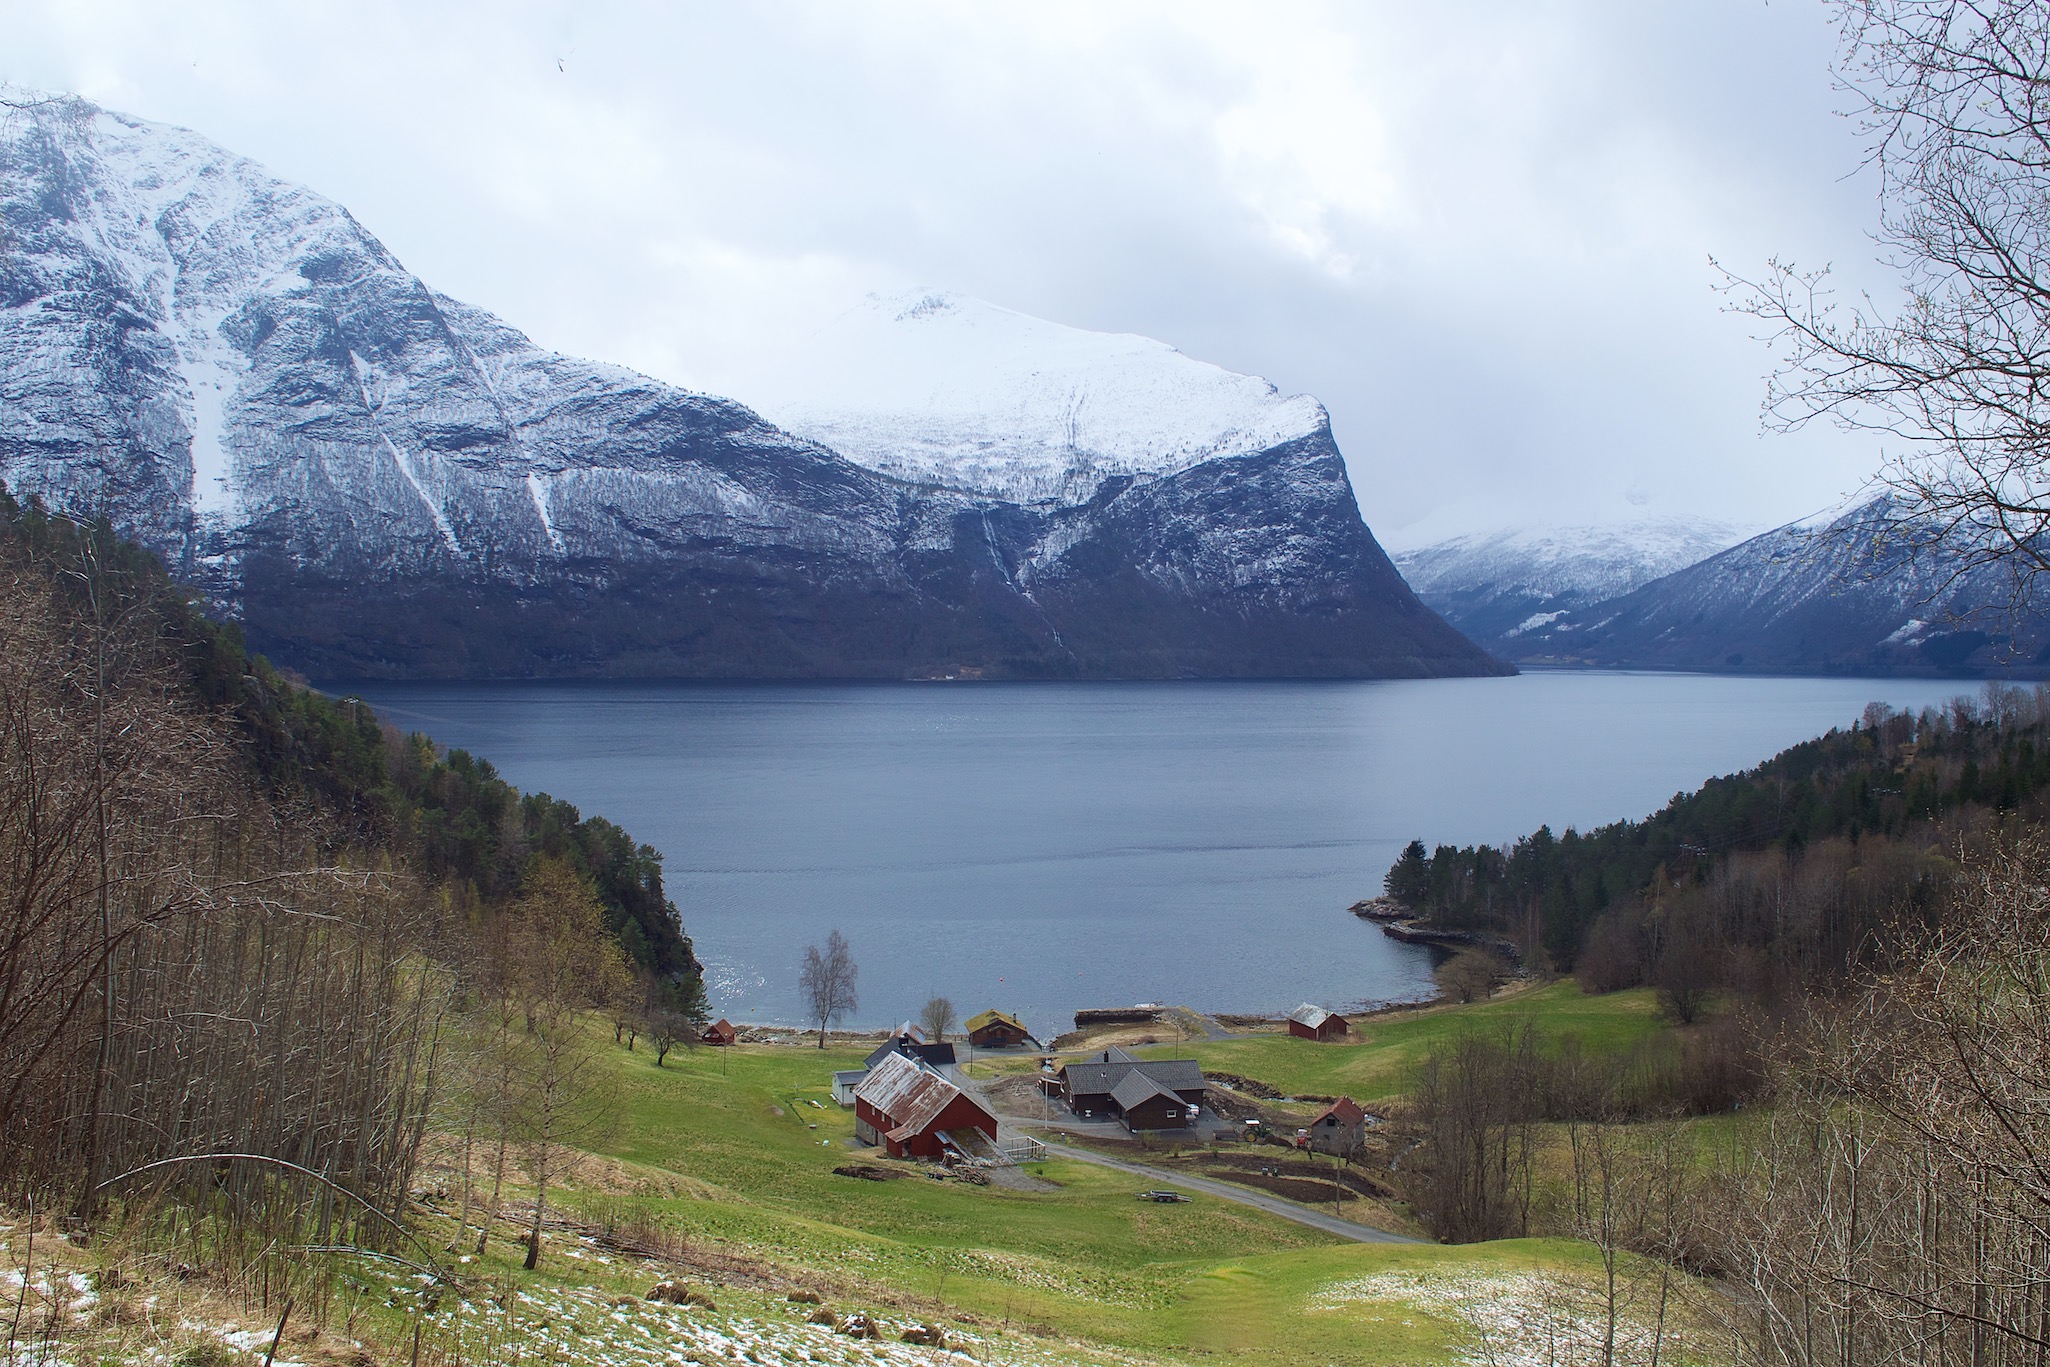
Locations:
939 388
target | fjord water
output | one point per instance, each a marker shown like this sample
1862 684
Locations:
1044 847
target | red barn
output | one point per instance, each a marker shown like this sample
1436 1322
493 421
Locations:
1314 1022
906 1107
720 1031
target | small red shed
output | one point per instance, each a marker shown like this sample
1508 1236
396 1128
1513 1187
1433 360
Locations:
906 1107
1314 1022
720 1031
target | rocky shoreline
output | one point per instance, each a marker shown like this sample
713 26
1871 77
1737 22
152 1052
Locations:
1398 922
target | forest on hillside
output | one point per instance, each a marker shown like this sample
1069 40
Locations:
1779 880
259 945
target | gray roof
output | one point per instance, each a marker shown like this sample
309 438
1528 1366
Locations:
850 1075
1136 1087
924 1053
1098 1079
1310 1015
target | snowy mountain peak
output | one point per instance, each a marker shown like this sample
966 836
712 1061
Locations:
376 479
940 388
1499 586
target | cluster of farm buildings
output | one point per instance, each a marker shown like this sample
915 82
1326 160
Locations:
905 1102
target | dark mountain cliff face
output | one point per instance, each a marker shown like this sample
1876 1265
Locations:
380 481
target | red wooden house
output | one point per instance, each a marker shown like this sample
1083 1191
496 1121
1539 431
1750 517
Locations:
720 1031
1314 1022
907 1108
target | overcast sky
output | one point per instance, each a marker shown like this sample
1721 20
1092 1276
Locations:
1480 233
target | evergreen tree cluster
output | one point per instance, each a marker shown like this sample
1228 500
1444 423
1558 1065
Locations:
1893 780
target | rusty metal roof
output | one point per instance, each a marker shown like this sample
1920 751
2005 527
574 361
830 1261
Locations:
910 1097
1344 1111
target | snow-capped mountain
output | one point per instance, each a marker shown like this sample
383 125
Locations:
379 480
1847 591
1499 586
937 388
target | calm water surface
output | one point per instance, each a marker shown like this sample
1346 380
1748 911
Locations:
1043 847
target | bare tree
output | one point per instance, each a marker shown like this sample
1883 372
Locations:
1955 98
937 1018
673 1014
1470 975
1475 1101
566 964
1893 1204
827 982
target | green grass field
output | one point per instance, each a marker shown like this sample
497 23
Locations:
1383 1053
735 1149
729 1147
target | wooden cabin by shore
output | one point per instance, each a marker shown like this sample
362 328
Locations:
720 1032
995 1029
1310 1021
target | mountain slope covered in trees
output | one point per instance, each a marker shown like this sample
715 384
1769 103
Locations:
245 919
1783 877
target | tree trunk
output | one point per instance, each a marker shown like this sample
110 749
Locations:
540 1203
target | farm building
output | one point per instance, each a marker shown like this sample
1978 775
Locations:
1314 1022
1341 1129
1144 1104
844 1084
910 1042
1092 1086
909 1109
997 1030
720 1031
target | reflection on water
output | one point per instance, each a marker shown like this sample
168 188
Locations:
1043 847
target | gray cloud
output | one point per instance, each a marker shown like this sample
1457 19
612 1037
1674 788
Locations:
1479 233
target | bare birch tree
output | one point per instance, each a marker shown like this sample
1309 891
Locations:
1954 96
827 982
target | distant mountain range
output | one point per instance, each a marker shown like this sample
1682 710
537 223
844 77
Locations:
378 480
1839 593
1498 586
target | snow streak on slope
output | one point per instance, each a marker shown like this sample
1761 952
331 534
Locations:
937 388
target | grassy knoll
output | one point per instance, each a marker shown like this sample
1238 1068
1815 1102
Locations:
1383 1053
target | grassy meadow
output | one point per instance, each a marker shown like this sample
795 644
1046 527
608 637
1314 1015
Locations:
735 1149
1379 1058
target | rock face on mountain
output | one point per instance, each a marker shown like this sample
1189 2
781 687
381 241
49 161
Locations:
1841 593
378 480
1498 587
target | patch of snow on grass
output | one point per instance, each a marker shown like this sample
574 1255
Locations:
1523 1319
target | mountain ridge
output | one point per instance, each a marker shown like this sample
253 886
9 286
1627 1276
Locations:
379 481
1849 590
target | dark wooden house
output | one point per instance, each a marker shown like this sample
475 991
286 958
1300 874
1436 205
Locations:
997 1030
1091 1088
720 1031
